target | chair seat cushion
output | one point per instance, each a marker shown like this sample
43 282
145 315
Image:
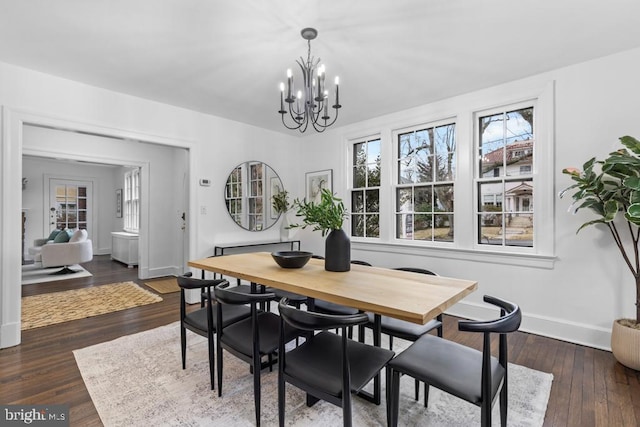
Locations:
449 366
327 307
238 335
318 363
403 329
230 314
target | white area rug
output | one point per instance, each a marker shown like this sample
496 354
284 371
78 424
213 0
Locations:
137 380
34 273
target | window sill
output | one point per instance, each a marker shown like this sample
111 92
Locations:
484 256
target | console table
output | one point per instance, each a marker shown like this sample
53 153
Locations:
219 250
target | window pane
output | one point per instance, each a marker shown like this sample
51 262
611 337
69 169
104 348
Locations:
373 151
490 229
422 227
443 228
357 225
406 170
443 198
519 125
519 230
357 201
373 201
404 200
373 225
404 226
491 197
519 196
359 177
359 154
423 199
374 175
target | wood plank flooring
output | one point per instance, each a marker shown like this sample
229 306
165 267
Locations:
589 389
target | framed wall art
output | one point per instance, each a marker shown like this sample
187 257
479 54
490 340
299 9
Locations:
315 182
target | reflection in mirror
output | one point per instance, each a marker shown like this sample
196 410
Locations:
248 193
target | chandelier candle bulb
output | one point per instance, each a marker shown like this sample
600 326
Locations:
289 84
337 93
282 98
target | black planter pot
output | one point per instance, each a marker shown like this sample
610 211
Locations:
337 251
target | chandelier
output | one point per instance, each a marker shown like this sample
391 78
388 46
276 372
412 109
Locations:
310 103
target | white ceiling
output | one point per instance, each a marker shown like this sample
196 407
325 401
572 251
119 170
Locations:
227 58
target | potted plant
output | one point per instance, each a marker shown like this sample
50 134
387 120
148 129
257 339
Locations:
327 216
280 203
609 187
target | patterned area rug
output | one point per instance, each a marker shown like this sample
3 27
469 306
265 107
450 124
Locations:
154 390
164 286
57 307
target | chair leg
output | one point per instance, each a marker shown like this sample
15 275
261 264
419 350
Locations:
212 361
256 388
390 342
426 395
503 403
219 366
395 397
281 399
183 345
485 413
417 389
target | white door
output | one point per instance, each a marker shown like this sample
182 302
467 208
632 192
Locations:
70 205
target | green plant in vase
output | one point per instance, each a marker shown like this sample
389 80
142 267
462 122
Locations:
327 216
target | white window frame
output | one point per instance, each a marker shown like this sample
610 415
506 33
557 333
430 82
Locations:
395 185
352 143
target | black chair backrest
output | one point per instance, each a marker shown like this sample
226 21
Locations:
509 320
227 295
317 256
416 270
312 321
358 262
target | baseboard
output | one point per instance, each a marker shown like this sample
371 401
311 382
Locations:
577 333
152 273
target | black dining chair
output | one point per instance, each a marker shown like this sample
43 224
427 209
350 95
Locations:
326 307
203 321
252 339
472 375
406 330
326 366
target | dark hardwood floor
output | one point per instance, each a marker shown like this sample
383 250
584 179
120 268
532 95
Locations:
589 388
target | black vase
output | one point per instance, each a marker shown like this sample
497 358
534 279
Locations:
337 251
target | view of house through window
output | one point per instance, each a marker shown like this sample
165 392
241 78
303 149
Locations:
424 183
365 195
504 178
132 200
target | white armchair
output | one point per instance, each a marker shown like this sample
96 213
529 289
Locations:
77 250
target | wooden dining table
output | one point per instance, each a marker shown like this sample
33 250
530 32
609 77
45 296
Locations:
404 295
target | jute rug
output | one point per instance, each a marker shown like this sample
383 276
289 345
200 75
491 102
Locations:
137 380
164 286
57 307
34 273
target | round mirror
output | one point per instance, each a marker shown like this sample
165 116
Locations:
248 195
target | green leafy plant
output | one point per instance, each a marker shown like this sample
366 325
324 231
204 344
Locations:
609 187
280 201
327 215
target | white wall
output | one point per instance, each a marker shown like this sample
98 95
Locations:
588 285
215 146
